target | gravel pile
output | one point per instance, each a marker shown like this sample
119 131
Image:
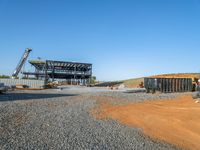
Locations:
124 98
61 120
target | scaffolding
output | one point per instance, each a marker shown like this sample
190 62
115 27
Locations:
72 72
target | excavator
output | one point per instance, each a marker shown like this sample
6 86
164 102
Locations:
21 62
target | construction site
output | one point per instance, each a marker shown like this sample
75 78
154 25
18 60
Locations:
48 73
56 106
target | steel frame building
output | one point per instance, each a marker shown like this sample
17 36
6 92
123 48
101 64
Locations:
71 72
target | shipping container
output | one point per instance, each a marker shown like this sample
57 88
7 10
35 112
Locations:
168 85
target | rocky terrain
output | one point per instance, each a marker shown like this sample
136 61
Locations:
62 119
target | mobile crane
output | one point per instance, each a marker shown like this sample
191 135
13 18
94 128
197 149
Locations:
21 62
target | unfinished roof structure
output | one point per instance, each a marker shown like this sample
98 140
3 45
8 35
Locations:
72 72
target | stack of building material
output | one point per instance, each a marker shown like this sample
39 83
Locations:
2 88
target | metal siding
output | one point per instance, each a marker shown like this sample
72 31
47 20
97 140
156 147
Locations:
169 84
30 83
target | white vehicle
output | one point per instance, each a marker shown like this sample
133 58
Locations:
3 88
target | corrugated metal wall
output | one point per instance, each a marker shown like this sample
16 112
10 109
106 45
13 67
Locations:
30 83
168 85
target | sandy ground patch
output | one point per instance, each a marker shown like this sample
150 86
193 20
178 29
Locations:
174 121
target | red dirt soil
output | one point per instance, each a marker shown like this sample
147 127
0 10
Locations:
173 121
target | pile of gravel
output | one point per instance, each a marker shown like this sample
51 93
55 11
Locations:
124 98
62 120
196 95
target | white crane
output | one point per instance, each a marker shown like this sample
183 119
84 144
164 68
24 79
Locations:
21 62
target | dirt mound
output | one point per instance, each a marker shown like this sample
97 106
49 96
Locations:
174 121
178 75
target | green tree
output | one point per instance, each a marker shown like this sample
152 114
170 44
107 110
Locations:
93 79
4 76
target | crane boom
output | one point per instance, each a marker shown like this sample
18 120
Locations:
21 62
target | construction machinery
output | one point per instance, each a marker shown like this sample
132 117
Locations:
3 88
21 62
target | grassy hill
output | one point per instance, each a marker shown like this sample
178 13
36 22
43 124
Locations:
135 82
179 75
132 83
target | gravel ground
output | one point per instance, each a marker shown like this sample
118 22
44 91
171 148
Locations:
61 119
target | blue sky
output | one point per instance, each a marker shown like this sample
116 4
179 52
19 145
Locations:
121 38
